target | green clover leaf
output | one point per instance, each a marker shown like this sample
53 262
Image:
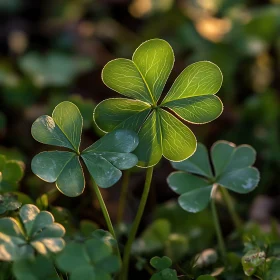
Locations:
232 167
11 172
164 272
104 159
191 98
8 202
39 233
93 259
38 268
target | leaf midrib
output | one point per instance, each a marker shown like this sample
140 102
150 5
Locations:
146 84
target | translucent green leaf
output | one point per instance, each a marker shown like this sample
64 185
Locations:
200 78
198 109
63 129
178 141
198 163
154 59
149 150
121 113
68 118
144 77
9 226
194 192
39 268
160 263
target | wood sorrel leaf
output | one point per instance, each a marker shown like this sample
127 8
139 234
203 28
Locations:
89 259
8 202
107 156
143 78
160 263
200 78
116 113
197 109
198 163
232 167
104 159
63 129
63 168
35 269
194 192
40 233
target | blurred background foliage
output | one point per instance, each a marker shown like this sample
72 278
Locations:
54 50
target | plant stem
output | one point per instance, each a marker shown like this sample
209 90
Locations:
220 238
105 213
123 196
234 216
135 225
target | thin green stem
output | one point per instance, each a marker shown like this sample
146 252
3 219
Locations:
234 216
123 196
134 229
105 213
220 238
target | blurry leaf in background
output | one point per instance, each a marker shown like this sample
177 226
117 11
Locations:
11 173
163 271
8 202
93 259
197 228
252 260
38 268
53 69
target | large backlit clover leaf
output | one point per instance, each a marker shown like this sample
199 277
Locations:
39 232
232 170
191 98
104 159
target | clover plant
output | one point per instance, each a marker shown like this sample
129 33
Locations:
164 272
92 259
142 79
232 170
33 231
38 268
195 182
104 159
9 202
11 172
161 133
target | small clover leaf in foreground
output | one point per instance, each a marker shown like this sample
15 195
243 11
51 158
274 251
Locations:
11 172
39 232
93 259
8 202
164 272
232 167
142 79
104 159
38 268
